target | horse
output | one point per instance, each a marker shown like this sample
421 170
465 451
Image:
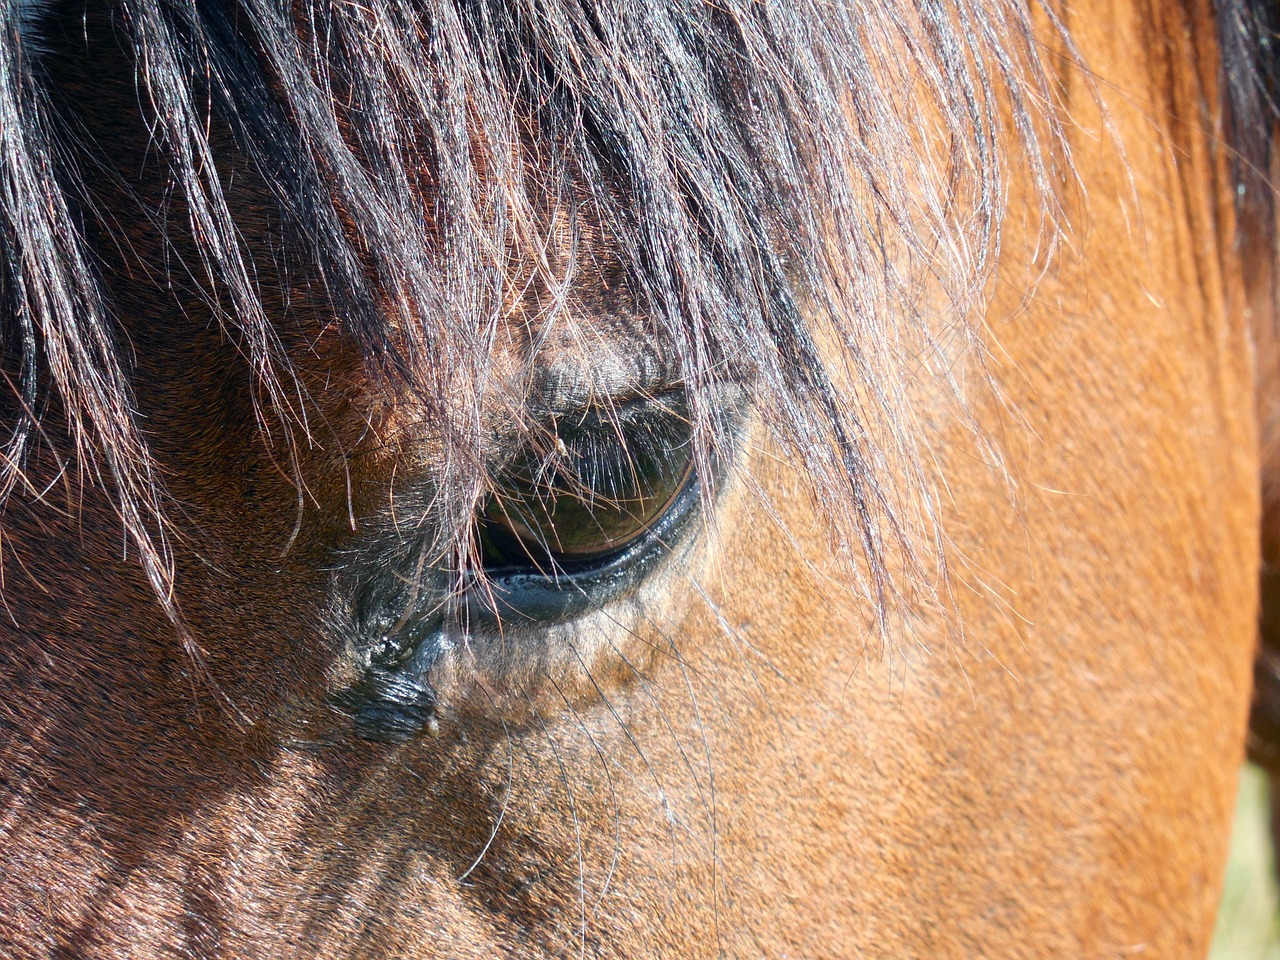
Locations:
541 478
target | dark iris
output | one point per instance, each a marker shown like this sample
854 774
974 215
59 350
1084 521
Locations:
594 484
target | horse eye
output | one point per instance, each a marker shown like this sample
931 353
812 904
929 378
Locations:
590 490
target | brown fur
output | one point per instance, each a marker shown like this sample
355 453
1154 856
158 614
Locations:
1030 752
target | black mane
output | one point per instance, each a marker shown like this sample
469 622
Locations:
1249 32
754 169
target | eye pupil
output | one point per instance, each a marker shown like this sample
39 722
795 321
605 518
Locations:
608 477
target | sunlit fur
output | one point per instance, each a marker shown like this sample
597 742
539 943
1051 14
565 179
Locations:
954 294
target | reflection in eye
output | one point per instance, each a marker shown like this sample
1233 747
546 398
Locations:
597 484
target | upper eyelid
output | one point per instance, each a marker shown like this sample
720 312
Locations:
614 410
644 412
565 388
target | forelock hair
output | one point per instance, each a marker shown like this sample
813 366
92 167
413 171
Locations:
778 182
1248 31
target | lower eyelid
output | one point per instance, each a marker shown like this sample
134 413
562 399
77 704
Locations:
565 593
